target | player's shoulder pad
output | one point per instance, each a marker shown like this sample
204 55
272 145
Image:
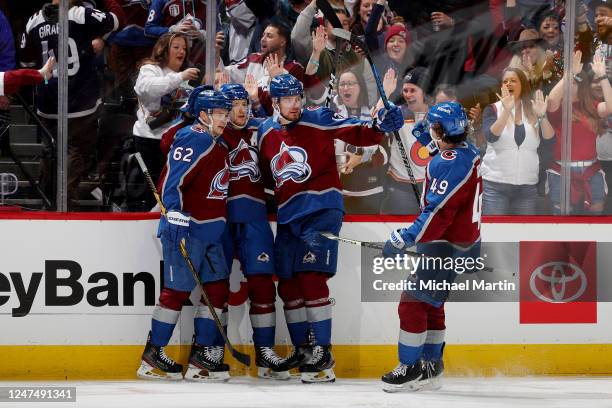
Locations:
265 127
453 163
254 123
194 137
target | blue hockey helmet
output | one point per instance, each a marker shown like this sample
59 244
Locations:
451 116
188 107
285 85
234 92
208 99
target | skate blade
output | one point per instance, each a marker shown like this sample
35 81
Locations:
431 384
324 376
269 374
147 372
197 374
411 386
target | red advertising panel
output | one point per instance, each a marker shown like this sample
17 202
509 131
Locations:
558 282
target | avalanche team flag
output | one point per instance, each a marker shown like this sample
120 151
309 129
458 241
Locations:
558 282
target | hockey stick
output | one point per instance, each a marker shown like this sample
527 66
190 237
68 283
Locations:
353 39
330 15
241 357
375 245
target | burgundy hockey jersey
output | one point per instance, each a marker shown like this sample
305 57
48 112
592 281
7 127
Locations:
302 161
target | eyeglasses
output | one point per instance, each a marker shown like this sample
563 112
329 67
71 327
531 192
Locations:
347 84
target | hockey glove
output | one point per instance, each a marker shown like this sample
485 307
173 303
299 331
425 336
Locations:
395 245
174 227
312 238
390 120
421 133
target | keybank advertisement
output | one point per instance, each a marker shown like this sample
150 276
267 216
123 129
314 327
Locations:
96 282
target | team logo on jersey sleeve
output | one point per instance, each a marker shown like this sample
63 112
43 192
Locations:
243 162
448 154
219 185
174 10
290 163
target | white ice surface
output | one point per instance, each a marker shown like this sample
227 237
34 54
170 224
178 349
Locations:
540 392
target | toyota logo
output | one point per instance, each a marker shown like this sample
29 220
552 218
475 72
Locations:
560 275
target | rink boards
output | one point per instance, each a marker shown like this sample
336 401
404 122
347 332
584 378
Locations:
76 296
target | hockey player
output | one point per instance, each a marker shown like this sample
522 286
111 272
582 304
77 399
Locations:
193 187
297 147
448 226
249 232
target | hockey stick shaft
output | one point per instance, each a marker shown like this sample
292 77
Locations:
375 245
381 89
241 357
330 15
396 135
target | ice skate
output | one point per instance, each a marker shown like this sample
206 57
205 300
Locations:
432 375
319 368
403 378
156 365
206 364
270 365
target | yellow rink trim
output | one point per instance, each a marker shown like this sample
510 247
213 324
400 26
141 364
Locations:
354 361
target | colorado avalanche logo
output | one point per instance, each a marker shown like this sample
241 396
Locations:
448 154
219 185
290 163
243 163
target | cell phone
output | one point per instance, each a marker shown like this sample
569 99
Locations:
198 81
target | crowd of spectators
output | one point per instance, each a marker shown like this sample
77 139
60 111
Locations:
502 59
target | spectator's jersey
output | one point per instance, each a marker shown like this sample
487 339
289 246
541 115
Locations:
451 201
166 13
39 43
301 160
418 155
246 198
195 180
132 35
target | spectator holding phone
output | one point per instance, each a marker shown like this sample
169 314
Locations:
162 86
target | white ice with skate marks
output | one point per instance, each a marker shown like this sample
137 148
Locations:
540 392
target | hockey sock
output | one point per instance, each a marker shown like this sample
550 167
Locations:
206 331
318 307
413 329
295 312
166 315
262 312
434 341
410 346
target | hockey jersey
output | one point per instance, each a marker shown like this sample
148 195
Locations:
39 43
302 162
246 197
132 35
165 13
195 180
452 199
418 155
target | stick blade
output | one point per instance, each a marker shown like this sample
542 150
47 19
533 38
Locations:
241 357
